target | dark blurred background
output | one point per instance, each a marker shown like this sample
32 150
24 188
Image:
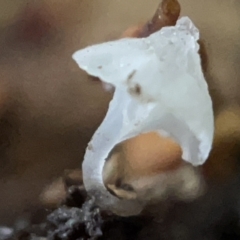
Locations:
49 108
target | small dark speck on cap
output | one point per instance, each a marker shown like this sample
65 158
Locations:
90 147
130 76
135 90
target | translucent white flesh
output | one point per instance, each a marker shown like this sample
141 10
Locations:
159 86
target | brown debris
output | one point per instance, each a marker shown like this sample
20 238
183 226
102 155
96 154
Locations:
62 188
167 14
73 177
53 194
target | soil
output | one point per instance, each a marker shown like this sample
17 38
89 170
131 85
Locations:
215 216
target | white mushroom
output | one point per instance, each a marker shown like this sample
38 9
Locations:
159 86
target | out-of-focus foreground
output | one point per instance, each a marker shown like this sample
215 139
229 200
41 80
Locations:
49 108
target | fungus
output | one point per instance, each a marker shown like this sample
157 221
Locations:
159 87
